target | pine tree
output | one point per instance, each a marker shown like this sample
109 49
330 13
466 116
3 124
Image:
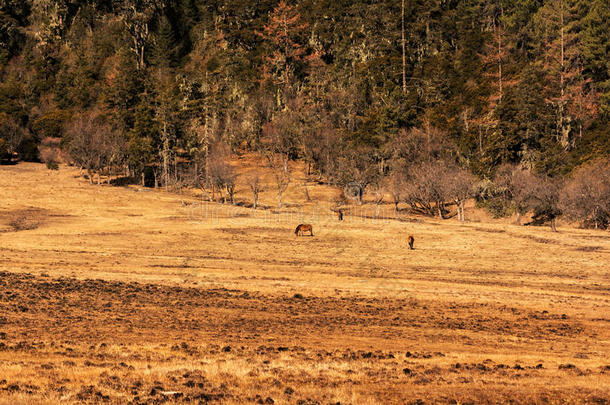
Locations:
594 39
143 140
166 112
282 35
561 61
164 54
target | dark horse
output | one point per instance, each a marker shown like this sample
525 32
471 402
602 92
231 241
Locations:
303 228
411 240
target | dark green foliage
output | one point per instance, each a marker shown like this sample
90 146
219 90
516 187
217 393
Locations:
164 52
483 73
143 138
51 124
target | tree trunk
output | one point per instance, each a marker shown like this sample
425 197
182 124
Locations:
404 53
463 204
231 192
518 221
553 225
307 197
165 156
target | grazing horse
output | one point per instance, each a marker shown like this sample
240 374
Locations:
304 228
411 239
340 215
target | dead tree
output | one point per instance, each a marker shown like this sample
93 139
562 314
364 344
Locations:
278 162
254 182
221 175
460 187
378 193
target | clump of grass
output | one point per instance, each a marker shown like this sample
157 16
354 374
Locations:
24 220
52 165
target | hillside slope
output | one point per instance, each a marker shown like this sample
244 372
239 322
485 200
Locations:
123 294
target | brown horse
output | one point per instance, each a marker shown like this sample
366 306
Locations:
411 240
304 228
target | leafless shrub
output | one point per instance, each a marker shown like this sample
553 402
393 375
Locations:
378 192
279 145
278 162
516 189
416 146
360 167
395 186
11 134
545 201
221 174
460 186
425 175
93 143
515 186
256 186
586 196
425 192
50 151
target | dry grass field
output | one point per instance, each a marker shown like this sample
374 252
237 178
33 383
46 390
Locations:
122 295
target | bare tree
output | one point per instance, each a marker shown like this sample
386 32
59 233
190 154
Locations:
256 186
230 186
460 187
165 112
221 175
93 143
280 143
586 196
425 191
358 167
278 162
546 202
515 187
11 134
395 186
378 192
137 18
